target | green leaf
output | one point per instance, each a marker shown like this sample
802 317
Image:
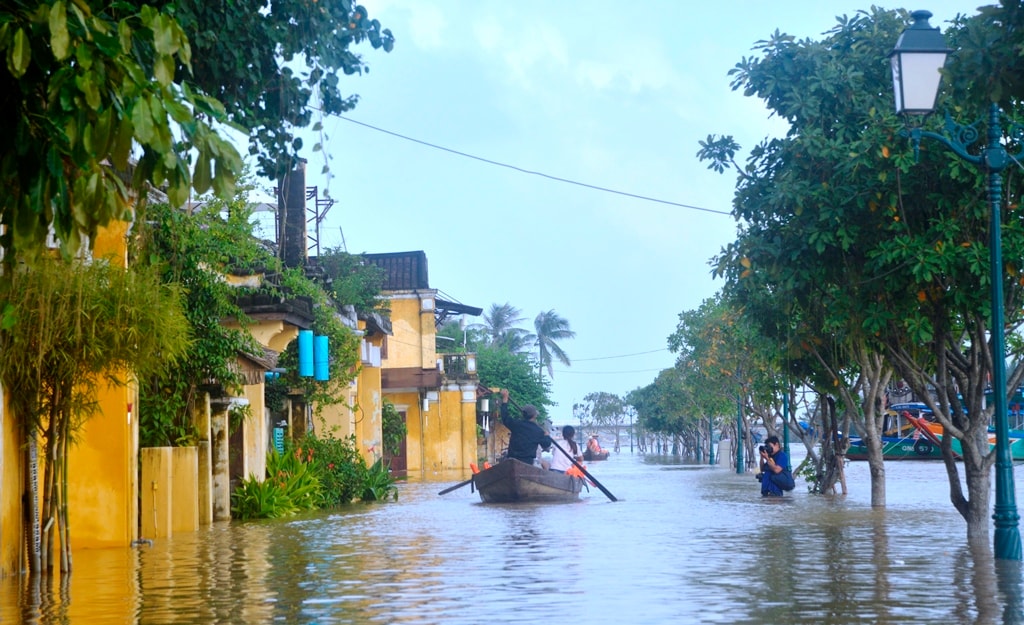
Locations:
8 317
201 176
122 143
124 33
142 119
59 39
163 69
87 85
19 55
163 36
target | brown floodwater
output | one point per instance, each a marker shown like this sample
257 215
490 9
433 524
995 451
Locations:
685 543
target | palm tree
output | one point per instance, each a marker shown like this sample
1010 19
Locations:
550 329
499 325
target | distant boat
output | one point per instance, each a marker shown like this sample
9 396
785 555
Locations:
594 451
512 481
911 432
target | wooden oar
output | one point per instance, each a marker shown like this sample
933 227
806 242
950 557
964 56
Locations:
456 487
922 427
585 472
573 460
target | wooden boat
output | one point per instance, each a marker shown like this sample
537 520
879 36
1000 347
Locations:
512 481
910 432
593 451
901 439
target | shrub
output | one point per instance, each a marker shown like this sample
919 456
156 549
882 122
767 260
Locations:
254 499
393 428
338 466
379 485
290 487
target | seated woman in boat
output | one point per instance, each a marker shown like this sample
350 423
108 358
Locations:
526 434
594 446
560 461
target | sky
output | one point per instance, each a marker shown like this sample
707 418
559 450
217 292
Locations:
605 94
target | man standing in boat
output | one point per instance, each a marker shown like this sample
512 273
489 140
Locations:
527 435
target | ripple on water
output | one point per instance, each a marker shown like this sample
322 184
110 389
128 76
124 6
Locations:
684 543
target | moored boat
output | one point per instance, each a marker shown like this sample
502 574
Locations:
901 439
512 481
910 432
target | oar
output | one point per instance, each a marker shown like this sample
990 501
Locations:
456 487
585 472
573 460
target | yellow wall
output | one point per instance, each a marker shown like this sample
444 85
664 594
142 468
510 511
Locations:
102 483
413 342
411 405
334 420
274 334
255 433
102 480
441 440
10 492
367 417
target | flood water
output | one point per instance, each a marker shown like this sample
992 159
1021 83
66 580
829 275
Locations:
684 544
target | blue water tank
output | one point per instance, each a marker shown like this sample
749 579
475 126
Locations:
321 359
306 353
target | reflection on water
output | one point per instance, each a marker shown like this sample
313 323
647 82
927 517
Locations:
684 543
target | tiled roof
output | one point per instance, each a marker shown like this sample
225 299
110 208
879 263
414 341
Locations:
403 270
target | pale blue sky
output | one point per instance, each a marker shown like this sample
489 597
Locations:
611 94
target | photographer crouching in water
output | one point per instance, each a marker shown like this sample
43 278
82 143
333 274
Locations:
776 475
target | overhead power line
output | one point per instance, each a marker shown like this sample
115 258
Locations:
607 358
534 173
571 372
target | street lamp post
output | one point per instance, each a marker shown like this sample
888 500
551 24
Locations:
739 435
917 60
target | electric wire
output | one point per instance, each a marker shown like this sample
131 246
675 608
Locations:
653 351
532 172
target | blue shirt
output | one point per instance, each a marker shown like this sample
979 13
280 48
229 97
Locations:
768 485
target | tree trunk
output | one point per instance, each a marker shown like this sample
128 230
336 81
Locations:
975 509
62 516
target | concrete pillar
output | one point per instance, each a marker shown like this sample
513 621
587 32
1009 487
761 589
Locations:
157 466
221 468
204 478
204 483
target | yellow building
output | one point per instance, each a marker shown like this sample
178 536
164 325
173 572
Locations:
102 465
437 403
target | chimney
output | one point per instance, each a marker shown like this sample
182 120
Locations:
291 202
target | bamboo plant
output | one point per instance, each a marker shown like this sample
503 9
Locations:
66 328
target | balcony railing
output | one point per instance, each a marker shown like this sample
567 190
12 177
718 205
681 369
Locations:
458 366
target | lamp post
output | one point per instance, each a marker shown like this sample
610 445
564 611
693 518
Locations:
917 60
739 435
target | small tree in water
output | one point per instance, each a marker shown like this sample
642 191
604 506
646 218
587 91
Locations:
65 328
